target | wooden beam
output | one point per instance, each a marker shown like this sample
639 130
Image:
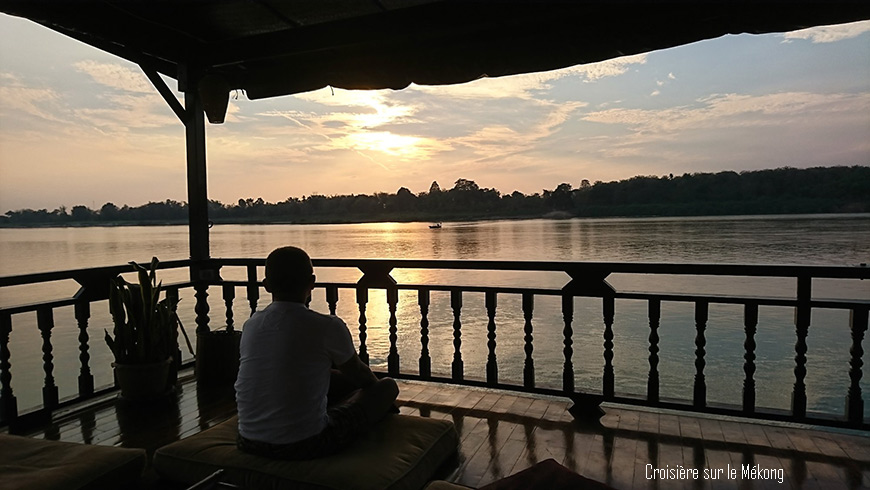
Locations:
167 94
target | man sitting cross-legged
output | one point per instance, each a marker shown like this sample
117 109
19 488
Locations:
287 352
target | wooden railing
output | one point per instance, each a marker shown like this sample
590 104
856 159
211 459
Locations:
587 280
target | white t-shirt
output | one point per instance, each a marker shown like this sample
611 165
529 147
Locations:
286 353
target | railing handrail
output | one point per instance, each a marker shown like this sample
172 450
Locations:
860 271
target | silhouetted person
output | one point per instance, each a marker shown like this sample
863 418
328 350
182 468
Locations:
287 352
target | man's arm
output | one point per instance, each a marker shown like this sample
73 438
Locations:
358 371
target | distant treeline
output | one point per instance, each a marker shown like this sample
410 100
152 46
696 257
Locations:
779 191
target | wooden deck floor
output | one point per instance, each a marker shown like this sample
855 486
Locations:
503 433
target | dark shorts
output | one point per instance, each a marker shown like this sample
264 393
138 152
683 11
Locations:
346 422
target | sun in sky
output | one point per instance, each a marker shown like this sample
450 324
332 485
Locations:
81 127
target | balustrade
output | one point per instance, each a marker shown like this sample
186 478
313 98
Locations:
750 322
487 333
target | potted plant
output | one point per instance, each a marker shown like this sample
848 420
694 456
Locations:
145 334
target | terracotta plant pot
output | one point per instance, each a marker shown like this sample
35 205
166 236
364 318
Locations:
142 381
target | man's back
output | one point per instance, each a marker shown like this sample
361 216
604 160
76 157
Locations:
286 354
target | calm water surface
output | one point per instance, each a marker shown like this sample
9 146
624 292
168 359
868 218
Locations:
807 240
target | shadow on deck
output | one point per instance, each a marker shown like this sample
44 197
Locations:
502 433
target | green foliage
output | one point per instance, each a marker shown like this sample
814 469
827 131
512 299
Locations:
775 191
145 326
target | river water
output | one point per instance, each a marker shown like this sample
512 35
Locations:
802 240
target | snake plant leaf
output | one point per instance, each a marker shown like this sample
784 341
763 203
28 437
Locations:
146 327
153 269
111 343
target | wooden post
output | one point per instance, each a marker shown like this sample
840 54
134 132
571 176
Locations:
197 193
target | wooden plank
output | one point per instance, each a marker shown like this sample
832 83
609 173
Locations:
548 443
711 430
732 434
778 438
669 425
469 399
755 435
716 470
503 404
825 476
486 403
690 428
622 461
648 422
646 454
670 457
557 412
694 458
802 441
485 460
504 461
828 446
520 405
766 462
589 457
538 408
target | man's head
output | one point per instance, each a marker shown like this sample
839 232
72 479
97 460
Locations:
289 273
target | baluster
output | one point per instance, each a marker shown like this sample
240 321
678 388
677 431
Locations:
425 361
45 322
652 384
362 297
854 398
172 295
8 403
393 357
201 308
229 294
86 379
609 308
802 327
253 288
456 305
700 393
491 361
332 298
568 351
529 368
750 322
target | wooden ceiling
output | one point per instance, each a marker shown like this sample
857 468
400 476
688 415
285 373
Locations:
270 48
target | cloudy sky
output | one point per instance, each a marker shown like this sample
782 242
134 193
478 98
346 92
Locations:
78 126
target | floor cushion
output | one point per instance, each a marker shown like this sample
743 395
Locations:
445 485
401 452
546 475
27 463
